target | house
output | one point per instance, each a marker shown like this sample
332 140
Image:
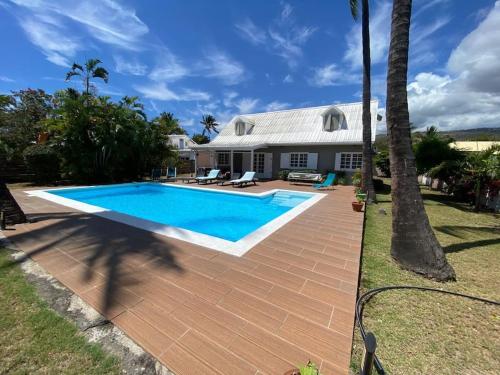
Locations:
184 145
322 138
473 146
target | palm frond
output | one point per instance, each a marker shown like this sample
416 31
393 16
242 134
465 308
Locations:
90 64
101 73
71 74
353 4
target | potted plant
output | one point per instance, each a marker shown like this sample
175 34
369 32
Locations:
360 198
309 369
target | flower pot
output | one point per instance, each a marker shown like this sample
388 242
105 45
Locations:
357 206
294 371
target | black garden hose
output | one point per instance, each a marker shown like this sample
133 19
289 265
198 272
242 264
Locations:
365 297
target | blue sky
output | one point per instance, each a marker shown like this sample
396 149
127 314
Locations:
224 57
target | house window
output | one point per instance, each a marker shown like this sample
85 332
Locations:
181 144
352 160
240 128
298 160
258 162
223 158
332 122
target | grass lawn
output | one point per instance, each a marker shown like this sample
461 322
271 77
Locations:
424 333
35 340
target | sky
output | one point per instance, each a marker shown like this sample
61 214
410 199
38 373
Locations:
228 57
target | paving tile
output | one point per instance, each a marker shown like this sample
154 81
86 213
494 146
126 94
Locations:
276 276
80 279
301 305
328 294
143 333
254 310
267 362
160 319
214 355
215 329
182 362
246 282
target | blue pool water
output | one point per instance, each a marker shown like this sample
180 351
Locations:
227 216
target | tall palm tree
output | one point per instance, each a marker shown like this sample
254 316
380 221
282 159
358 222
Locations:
91 69
414 245
367 168
209 125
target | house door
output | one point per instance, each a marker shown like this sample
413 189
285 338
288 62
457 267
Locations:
263 164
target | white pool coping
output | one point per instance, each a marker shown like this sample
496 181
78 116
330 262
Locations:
237 248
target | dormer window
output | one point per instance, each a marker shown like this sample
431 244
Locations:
333 119
239 128
243 125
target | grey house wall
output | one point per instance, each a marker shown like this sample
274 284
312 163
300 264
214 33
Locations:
326 155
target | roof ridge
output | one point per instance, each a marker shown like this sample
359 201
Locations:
302 108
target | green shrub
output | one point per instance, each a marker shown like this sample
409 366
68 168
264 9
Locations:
283 174
382 162
356 178
43 161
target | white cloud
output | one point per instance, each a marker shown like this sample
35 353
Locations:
468 96
249 31
288 79
54 40
283 36
331 75
46 24
169 68
6 79
129 66
160 91
219 65
277 106
246 105
229 97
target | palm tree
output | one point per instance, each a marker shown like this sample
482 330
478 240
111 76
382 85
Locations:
367 168
209 124
89 71
414 245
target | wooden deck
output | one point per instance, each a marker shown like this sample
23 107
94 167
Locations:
289 299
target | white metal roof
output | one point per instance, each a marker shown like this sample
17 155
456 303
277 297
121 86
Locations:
302 126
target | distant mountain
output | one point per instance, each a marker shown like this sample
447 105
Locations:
479 134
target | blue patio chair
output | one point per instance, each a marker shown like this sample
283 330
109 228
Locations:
330 179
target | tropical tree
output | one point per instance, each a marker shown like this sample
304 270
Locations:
200 139
432 149
414 245
480 169
367 168
169 124
87 72
21 119
209 125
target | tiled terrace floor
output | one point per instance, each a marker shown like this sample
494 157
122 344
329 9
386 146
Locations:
289 299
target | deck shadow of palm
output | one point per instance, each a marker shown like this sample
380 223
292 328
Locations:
113 250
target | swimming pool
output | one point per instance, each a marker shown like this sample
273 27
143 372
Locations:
232 222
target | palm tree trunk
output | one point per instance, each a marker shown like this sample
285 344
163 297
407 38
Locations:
8 205
414 245
367 170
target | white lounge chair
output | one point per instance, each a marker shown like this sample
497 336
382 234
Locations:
248 178
212 175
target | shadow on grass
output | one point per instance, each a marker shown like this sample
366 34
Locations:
446 200
463 231
110 249
455 248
